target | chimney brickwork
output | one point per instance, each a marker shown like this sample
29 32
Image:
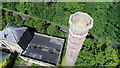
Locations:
80 23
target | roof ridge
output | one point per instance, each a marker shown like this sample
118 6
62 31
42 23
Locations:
20 28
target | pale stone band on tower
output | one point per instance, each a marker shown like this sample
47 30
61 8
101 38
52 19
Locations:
80 23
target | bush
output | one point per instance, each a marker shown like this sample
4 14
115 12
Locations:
52 30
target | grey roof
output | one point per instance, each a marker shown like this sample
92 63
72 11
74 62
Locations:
116 45
12 33
64 30
0 31
45 49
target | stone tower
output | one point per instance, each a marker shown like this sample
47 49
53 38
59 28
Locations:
80 23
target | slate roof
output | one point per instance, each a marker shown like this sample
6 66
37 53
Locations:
44 48
12 33
16 34
41 47
0 31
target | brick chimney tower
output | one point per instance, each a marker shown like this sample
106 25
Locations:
80 23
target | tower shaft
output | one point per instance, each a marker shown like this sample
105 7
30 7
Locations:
80 23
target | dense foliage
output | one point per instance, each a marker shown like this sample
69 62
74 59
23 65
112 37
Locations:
98 53
54 30
105 15
94 52
40 26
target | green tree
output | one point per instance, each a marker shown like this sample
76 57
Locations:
52 30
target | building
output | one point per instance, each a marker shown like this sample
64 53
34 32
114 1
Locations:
16 38
80 23
40 49
44 50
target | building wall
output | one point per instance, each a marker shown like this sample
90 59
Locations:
13 46
35 61
25 39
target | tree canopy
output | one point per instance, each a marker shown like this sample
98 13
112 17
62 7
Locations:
106 25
